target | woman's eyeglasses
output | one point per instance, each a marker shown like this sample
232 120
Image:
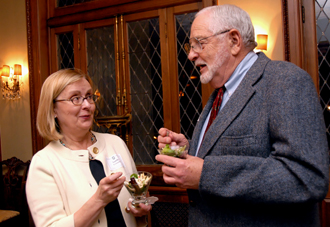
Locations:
78 100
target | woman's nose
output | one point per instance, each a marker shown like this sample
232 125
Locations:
85 103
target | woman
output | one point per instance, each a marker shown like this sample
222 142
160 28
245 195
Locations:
66 184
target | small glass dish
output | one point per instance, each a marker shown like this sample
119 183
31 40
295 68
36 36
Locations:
138 186
174 151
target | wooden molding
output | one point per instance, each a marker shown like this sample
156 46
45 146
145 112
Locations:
103 13
286 30
37 61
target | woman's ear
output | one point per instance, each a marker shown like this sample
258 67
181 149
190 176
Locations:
236 41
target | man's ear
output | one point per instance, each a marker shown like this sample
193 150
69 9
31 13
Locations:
236 42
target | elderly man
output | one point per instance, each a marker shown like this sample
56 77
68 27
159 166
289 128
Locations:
262 160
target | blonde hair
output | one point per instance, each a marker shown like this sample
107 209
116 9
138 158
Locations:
52 87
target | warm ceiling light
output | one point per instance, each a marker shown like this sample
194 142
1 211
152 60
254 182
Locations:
262 42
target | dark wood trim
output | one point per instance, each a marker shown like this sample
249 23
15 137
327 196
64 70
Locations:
171 89
286 30
37 37
295 35
169 194
86 6
0 147
31 81
310 42
108 12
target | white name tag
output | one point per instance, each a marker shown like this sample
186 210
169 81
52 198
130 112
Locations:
115 162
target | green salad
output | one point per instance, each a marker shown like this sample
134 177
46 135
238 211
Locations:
175 151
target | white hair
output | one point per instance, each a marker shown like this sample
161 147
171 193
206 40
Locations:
228 16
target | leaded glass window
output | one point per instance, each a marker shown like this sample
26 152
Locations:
101 68
65 53
190 93
322 8
145 88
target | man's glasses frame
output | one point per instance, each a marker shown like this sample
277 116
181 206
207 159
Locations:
78 100
198 47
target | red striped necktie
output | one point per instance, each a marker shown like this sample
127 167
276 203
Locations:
215 107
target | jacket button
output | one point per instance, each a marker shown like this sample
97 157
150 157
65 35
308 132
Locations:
95 150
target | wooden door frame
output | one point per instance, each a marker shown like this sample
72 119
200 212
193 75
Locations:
299 30
38 39
38 33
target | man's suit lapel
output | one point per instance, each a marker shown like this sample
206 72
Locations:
231 110
200 123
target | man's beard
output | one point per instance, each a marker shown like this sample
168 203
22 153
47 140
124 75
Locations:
220 58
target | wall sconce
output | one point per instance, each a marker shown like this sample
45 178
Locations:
262 42
11 85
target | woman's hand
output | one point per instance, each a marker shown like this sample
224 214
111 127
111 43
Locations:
109 187
140 211
107 191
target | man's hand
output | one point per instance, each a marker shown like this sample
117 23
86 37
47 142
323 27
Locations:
184 173
166 136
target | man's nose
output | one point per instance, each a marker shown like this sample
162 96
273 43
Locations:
192 56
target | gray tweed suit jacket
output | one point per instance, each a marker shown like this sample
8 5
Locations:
266 153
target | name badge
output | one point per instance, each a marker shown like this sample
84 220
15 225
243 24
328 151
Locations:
115 162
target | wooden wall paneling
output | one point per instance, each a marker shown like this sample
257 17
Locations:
169 194
295 32
0 147
310 42
124 61
207 3
166 68
38 58
86 6
53 50
324 207
76 46
173 85
103 13
82 47
193 7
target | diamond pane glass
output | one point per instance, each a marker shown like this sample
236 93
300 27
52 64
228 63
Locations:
101 68
322 8
65 54
146 90
61 3
190 91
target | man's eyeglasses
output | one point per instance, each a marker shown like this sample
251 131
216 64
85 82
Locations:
196 45
78 100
